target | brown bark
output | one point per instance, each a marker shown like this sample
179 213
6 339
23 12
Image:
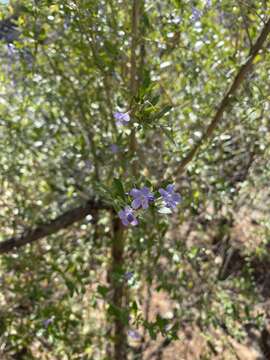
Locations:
118 286
120 296
61 222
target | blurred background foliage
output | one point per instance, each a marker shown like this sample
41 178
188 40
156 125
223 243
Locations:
66 68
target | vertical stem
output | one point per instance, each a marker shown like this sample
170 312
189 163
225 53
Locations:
118 297
134 44
135 29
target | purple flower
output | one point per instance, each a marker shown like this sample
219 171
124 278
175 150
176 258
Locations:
11 49
47 322
170 197
196 14
121 118
141 198
114 148
134 334
127 217
128 275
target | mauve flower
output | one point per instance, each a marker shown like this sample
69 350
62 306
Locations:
128 275
208 3
196 14
127 217
47 322
11 49
134 334
141 197
121 118
114 148
170 197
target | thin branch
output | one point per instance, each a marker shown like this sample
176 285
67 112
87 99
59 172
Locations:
137 8
238 80
135 18
61 222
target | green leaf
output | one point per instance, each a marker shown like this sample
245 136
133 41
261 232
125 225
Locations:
118 188
169 134
162 112
103 290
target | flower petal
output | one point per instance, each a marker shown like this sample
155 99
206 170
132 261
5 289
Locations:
163 192
170 188
126 117
144 203
121 214
125 222
135 193
118 115
121 118
134 222
130 218
136 203
145 191
176 197
119 122
114 148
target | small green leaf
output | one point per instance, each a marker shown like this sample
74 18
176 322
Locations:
102 290
169 134
162 112
118 188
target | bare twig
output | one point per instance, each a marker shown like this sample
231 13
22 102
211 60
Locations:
226 101
61 222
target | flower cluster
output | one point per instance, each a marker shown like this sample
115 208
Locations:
142 198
